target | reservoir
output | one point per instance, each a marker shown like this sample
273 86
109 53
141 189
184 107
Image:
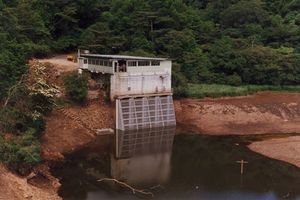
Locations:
167 164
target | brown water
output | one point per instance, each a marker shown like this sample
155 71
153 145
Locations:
175 167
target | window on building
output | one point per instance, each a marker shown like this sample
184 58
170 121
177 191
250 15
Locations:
110 63
132 63
85 61
101 62
90 61
97 62
155 63
144 63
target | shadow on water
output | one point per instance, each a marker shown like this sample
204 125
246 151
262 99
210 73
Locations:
180 167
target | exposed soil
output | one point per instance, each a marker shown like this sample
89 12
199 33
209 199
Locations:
67 129
61 63
13 187
70 128
265 112
285 149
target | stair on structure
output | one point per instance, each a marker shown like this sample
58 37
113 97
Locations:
145 112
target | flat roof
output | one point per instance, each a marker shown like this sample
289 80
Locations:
123 57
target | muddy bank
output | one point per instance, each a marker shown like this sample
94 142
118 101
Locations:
72 127
284 149
265 112
13 187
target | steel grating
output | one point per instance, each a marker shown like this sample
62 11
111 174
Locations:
145 112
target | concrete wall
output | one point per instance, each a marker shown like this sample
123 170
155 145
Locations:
140 83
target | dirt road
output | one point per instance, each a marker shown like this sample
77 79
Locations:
61 63
264 112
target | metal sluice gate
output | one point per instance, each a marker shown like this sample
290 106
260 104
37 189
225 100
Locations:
145 112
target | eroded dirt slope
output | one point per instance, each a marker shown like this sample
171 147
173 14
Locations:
67 129
73 126
70 128
264 112
13 187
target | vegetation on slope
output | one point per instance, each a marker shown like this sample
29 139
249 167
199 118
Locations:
21 119
216 90
233 42
236 42
76 87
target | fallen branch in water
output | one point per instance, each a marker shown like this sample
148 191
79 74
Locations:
156 187
134 190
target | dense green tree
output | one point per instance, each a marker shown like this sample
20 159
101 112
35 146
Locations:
213 41
232 42
244 12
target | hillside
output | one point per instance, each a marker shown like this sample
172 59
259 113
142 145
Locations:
234 42
211 42
13 187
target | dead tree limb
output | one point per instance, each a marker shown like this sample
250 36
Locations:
157 186
12 90
134 190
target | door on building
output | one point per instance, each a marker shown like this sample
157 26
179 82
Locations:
83 63
122 67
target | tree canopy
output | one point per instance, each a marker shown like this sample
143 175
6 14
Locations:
213 41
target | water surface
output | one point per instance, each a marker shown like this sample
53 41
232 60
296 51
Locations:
175 167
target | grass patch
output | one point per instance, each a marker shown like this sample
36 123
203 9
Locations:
215 90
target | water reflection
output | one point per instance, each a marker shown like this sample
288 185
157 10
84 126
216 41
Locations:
187 166
143 157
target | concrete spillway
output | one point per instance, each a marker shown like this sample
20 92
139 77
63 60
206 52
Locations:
145 112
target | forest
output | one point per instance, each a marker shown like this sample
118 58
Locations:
234 42
228 42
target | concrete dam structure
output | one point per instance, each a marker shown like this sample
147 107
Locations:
139 86
145 112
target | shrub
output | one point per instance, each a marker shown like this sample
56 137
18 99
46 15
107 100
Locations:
217 90
76 87
12 120
234 80
38 125
180 92
22 152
